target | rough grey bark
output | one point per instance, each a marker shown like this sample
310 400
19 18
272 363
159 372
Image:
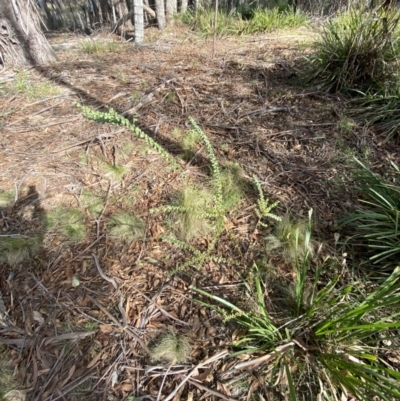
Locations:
160 12
21 40
130 15
139 20
184 6
170 9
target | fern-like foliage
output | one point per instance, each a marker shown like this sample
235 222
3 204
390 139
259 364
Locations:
113 117
264 207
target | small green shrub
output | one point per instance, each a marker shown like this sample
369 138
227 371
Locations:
68 222
357 51
126 226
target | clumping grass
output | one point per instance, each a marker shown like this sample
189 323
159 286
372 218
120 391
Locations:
172 348
233 186
91 46
189 144
93 203
189 212
377 221
15 249
115 172
69 222
6 198
127 227
379 110
323 342
260 20
23 84
357 51
7 380
269 20
290 238
203 22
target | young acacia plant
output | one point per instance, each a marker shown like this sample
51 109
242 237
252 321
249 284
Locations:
126 226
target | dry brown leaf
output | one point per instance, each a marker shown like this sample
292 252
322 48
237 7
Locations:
127 387
70 373
94 360
105 328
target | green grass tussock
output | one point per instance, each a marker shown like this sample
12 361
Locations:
172 348
324 343
357 51
377 221
126 226
237 22
68 222
22 84
15 249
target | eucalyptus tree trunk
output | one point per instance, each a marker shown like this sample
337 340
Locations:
49 18
170 9
21 40
139 20
105 10
160 13
184 6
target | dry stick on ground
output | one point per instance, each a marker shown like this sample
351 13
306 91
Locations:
147 99
208 390
195 370
120 307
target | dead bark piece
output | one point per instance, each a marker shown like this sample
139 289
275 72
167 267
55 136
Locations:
21 40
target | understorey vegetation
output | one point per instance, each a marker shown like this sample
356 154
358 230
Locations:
217 235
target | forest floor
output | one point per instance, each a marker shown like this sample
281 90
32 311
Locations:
66 333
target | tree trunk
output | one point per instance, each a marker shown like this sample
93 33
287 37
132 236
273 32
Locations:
170 9
184 6
139 20
160 12
21 40
49 18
